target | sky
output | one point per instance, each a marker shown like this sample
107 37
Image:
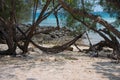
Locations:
98 8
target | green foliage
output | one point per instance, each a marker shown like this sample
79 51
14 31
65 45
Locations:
74 25
73 3
22 9
112 8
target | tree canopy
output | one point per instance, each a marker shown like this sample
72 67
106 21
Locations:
78 13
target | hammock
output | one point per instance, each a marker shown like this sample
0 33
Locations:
57 49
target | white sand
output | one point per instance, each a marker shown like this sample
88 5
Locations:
66 65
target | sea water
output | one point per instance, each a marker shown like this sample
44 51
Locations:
95 38
51 20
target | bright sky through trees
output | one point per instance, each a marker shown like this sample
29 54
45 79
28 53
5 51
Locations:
98 8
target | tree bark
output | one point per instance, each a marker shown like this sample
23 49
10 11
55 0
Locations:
77 12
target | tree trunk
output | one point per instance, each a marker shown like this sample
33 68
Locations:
33 27
77 12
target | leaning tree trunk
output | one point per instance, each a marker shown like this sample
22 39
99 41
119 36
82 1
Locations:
9 35
77 12
34 25
54 49
109 27
9 30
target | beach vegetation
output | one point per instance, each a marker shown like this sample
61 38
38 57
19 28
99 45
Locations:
79 19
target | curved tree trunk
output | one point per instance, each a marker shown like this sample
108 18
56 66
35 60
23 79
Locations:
77 12
114 43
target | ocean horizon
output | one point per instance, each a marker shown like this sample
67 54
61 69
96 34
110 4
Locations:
51 20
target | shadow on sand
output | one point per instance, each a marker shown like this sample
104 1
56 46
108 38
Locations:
108 70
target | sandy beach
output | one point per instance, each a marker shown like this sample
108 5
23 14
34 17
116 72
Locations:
59 39
67 65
